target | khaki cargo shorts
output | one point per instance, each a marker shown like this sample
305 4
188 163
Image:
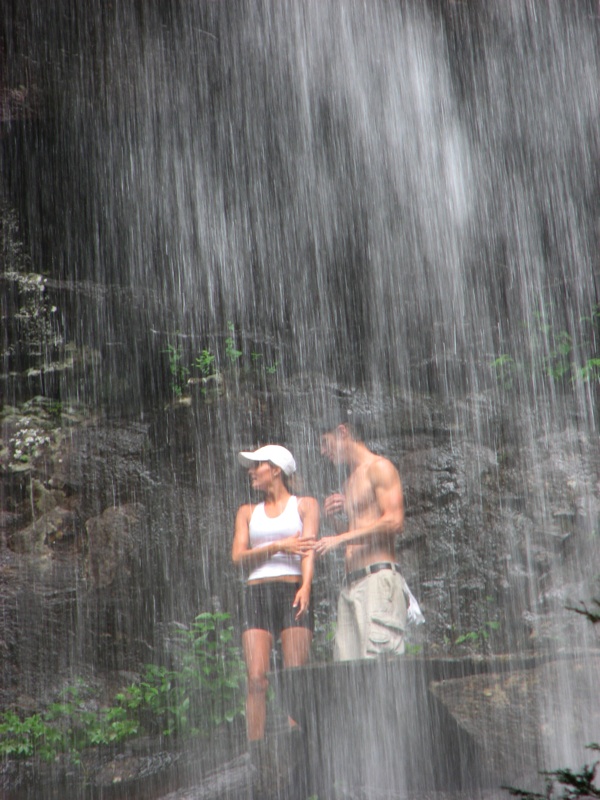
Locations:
372 617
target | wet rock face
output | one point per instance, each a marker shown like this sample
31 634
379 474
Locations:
132 515
31 331
504 538
111 540
70 548
518 715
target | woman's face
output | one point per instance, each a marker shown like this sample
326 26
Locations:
261 475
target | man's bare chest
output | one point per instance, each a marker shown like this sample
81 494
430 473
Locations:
360 497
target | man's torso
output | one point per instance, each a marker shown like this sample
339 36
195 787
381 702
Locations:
363 509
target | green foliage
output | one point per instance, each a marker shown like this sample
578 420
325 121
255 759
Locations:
257 360
590 371
554 355
479 636
179 372
54 411
205 362
570 784
506 370
202 691
205 689
232 354
24 738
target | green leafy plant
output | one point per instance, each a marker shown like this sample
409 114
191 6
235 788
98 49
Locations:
570 784
258 360
210 365
505 369
54 411
231 352
201 691
179 372
479 636
590 371
205 362
554 355
204 689
33 735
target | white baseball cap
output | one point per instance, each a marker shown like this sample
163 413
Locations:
275 453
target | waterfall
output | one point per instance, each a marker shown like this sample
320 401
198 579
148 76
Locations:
247 213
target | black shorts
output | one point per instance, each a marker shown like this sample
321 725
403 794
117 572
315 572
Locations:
268 606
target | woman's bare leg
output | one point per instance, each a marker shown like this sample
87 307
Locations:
257 645
295 644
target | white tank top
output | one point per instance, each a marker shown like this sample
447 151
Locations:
264 530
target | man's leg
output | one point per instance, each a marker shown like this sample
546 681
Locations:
383 611
347 634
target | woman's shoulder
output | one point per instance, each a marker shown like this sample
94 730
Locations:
305 503
246 510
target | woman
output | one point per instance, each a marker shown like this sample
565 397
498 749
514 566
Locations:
273 545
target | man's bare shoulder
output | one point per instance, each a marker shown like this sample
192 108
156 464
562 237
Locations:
382 472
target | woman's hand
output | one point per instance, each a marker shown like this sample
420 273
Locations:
301 601
296 545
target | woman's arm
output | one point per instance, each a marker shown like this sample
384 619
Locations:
308 508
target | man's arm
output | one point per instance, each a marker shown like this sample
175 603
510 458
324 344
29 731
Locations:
387 488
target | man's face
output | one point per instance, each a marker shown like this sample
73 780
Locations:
331 447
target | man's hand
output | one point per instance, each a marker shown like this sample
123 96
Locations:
325 544
334 504
301 601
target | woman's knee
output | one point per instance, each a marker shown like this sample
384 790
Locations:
257 684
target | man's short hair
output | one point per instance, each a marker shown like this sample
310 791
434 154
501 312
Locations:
359 423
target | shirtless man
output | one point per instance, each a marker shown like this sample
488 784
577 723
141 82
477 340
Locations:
372 607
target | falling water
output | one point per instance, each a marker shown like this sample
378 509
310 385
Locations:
388 205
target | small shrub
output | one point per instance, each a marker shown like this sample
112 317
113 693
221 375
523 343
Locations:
554 355
201 692
205 362
179 372
231 352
